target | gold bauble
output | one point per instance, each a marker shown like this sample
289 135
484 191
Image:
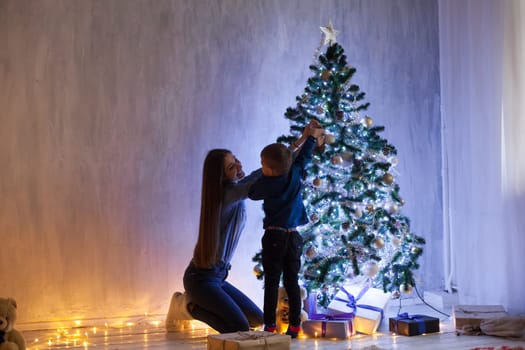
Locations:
415 250
388 179
396 242
317 182
337 160
392 209
329 139
258 270
368 121
405 288
325 75
379 242
358 213
370 208
320 110
370 268
311 252
314 218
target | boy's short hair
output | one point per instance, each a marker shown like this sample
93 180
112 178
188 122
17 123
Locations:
277 157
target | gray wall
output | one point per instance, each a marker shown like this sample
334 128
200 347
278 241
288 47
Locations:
107 109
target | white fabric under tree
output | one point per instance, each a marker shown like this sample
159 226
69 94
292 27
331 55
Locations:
482 88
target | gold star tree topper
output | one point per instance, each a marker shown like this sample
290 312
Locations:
329 34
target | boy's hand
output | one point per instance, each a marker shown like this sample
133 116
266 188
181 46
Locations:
315 130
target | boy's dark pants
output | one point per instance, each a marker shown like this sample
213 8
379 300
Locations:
281 253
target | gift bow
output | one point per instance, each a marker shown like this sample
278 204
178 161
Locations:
351 301
420 321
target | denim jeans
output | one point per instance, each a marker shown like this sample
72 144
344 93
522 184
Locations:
281 253
218 303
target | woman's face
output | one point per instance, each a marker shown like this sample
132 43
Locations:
232 168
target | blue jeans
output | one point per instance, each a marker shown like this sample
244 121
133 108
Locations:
218 303
281 254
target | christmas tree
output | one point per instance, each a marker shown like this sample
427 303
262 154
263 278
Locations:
356 225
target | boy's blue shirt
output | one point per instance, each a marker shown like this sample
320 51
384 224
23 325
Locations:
283 202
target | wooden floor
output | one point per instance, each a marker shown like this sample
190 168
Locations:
148 332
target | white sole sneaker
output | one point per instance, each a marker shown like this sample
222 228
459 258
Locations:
178 314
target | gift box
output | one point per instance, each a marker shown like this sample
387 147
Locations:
413 325
340 329
470 316
366 303
252 340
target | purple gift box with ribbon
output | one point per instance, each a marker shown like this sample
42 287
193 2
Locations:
323 325
367 303
409 325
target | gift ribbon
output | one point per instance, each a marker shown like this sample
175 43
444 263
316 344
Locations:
351 301
420 322
339 317
255 336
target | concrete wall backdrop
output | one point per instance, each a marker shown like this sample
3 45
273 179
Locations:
107 109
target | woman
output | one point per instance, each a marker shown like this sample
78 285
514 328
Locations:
210 298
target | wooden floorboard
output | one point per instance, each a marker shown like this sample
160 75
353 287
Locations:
148 332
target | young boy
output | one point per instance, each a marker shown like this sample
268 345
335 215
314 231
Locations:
280 188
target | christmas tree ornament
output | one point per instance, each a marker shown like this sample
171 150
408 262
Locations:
345 225
387 179
258 270
325 75
392 208
319 110
329 34
329 139
358 213
311 252
405 288
415 250
396 294
368 121
370 268
396 242
317 182
379 242
340 115
314 218
337 160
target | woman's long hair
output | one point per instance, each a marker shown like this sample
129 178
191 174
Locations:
205 254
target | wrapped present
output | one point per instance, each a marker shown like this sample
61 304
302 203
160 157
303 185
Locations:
467 317
368 305
405 324
252 340
329 326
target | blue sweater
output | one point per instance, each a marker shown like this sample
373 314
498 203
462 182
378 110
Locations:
283 203
233 215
